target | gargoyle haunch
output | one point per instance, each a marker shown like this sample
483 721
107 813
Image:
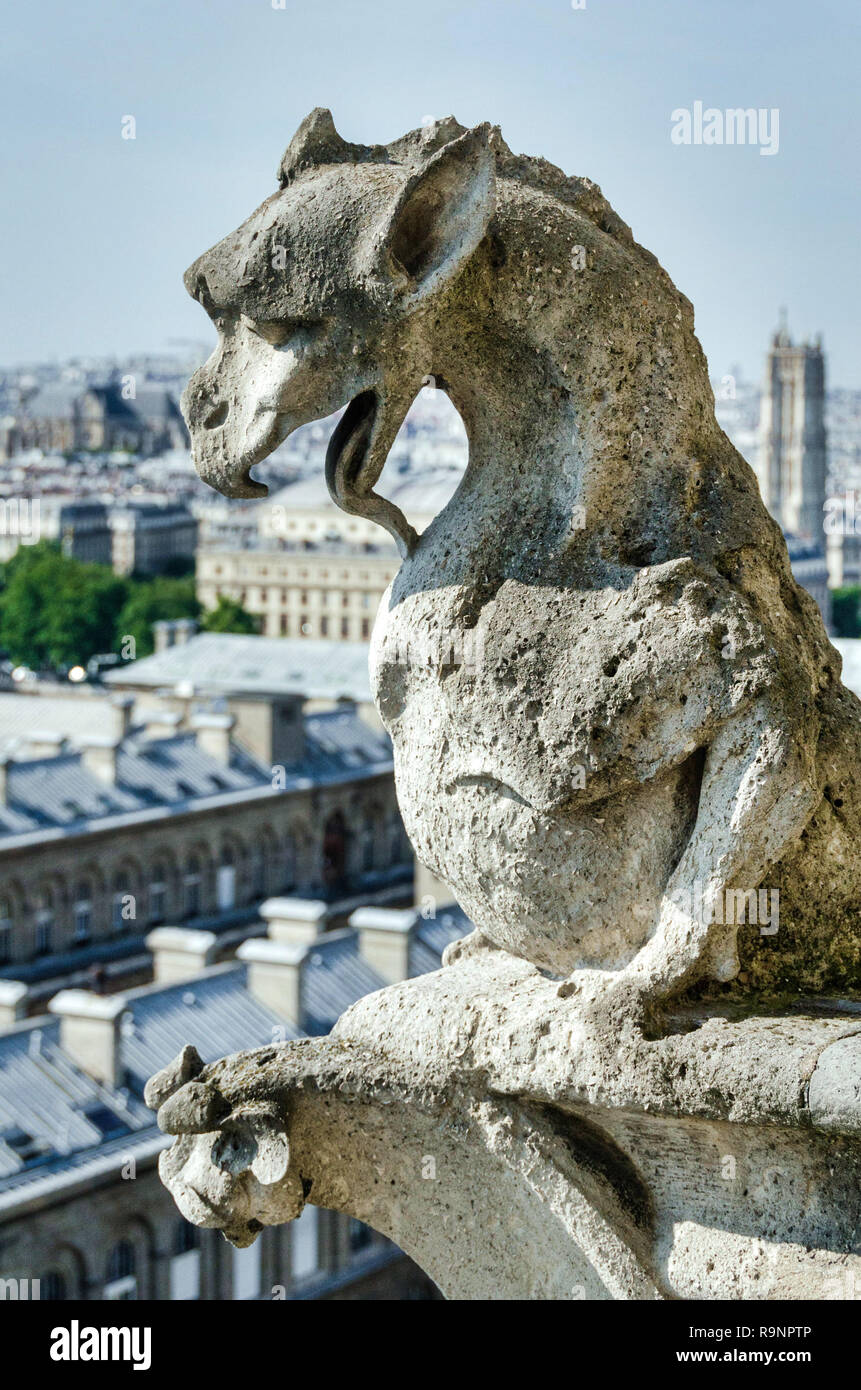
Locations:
655 718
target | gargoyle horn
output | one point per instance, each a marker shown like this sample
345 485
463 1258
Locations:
317 142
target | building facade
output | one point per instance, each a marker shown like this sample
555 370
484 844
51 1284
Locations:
330 592
151 539
188 816
311 570
81 529
119 415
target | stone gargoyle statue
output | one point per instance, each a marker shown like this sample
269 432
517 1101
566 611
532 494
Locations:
642 788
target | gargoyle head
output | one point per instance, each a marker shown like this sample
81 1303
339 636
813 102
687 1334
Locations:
229 1166
322 299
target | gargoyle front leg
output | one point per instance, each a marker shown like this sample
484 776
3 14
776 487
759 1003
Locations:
758 791
261 1133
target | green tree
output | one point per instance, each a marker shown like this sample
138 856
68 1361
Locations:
55 610
149 601
228 615
846 611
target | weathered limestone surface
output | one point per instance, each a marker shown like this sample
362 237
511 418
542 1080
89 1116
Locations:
611 707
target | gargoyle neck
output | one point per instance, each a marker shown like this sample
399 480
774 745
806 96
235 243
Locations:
553 445
522 425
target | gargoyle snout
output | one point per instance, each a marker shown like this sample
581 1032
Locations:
196 283
200 404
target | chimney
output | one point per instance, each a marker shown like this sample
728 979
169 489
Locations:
426 886
294 921
44 743
271 727
173 632
99 756
213 735
384 939
162 633
13 1002
121 711
90 1031
275 976
184 630
179 953
161 723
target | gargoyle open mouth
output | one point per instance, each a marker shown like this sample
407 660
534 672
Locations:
354 460
349 445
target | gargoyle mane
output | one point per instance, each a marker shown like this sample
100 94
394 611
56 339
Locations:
317 143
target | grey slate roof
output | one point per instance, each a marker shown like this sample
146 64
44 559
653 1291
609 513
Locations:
54 1119
433 934
337 741
152 404
420 495
73 716
54 402
45 1101
335 977
224 663
59 793
155 404
215 1012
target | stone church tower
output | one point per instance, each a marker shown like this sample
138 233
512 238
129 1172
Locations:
792 455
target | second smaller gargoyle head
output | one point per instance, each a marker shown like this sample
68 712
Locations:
229 1167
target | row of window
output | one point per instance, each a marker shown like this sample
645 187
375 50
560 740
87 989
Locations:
304 627
191 890
320 598
303 1260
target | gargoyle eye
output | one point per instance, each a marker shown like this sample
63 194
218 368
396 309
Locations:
277 332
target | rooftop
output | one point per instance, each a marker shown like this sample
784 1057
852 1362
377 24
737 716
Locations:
419 495
59 794
54 1119
228 663
62 401
25 716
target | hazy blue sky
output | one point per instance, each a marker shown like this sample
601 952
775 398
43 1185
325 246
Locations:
97 230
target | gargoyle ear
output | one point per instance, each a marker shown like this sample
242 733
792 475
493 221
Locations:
442 213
